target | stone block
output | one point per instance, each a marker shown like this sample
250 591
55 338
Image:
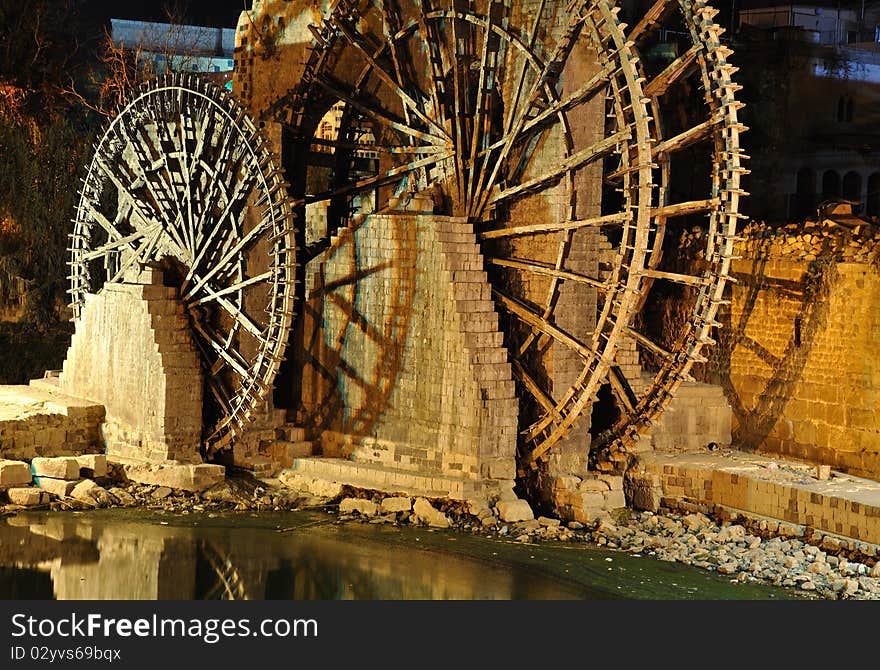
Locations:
89 492
547 522
63 467
396 504
185 476
642 493
324 489
359 505
27 496
614 499
565 483
92 465
514 510
58 487
593 484
14 473
591 499
426 512
615 482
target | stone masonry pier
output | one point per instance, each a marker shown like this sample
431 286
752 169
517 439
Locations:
784 493
38 420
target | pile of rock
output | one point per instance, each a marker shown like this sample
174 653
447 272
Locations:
503 518
733 550
60 478
852 241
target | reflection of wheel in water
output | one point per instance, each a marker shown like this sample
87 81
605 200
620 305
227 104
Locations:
482 107
216 571
699 163
172 183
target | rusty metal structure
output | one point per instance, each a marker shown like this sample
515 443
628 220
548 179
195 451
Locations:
482 108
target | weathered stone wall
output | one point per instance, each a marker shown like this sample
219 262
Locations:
698 415
799 354
755 488
404 366
37 421
803 361
132 352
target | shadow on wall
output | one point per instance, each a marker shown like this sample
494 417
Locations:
357 317
801 305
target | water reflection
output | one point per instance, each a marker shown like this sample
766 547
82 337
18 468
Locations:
95 556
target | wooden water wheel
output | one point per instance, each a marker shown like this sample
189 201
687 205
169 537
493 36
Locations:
183 179
512 118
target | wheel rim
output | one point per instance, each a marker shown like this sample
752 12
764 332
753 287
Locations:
472 136
708 137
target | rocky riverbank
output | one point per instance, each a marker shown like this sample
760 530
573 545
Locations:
743 551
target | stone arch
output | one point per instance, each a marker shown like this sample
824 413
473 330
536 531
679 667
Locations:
830 184
852 186
872 200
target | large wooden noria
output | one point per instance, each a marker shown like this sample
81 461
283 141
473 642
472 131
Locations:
569 140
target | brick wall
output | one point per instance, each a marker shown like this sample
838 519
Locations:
402 361
799 359
132 353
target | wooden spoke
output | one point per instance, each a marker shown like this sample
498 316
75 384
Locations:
214 295
687 138
622 389
393 175
533 388
676 277
548 270
652 18
660 84
588 155
685 208
559 226
378 148
377 115
647 342
357 42
536 321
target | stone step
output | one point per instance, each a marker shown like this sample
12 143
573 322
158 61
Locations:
285 452
259 466
389 480
291 433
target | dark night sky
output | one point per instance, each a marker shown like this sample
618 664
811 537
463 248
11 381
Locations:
217 13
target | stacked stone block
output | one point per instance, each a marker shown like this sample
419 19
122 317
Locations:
132 352
805 501
697 416
411 354
799 359
36 420
588 497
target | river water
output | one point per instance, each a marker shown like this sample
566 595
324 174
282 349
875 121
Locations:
138 554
